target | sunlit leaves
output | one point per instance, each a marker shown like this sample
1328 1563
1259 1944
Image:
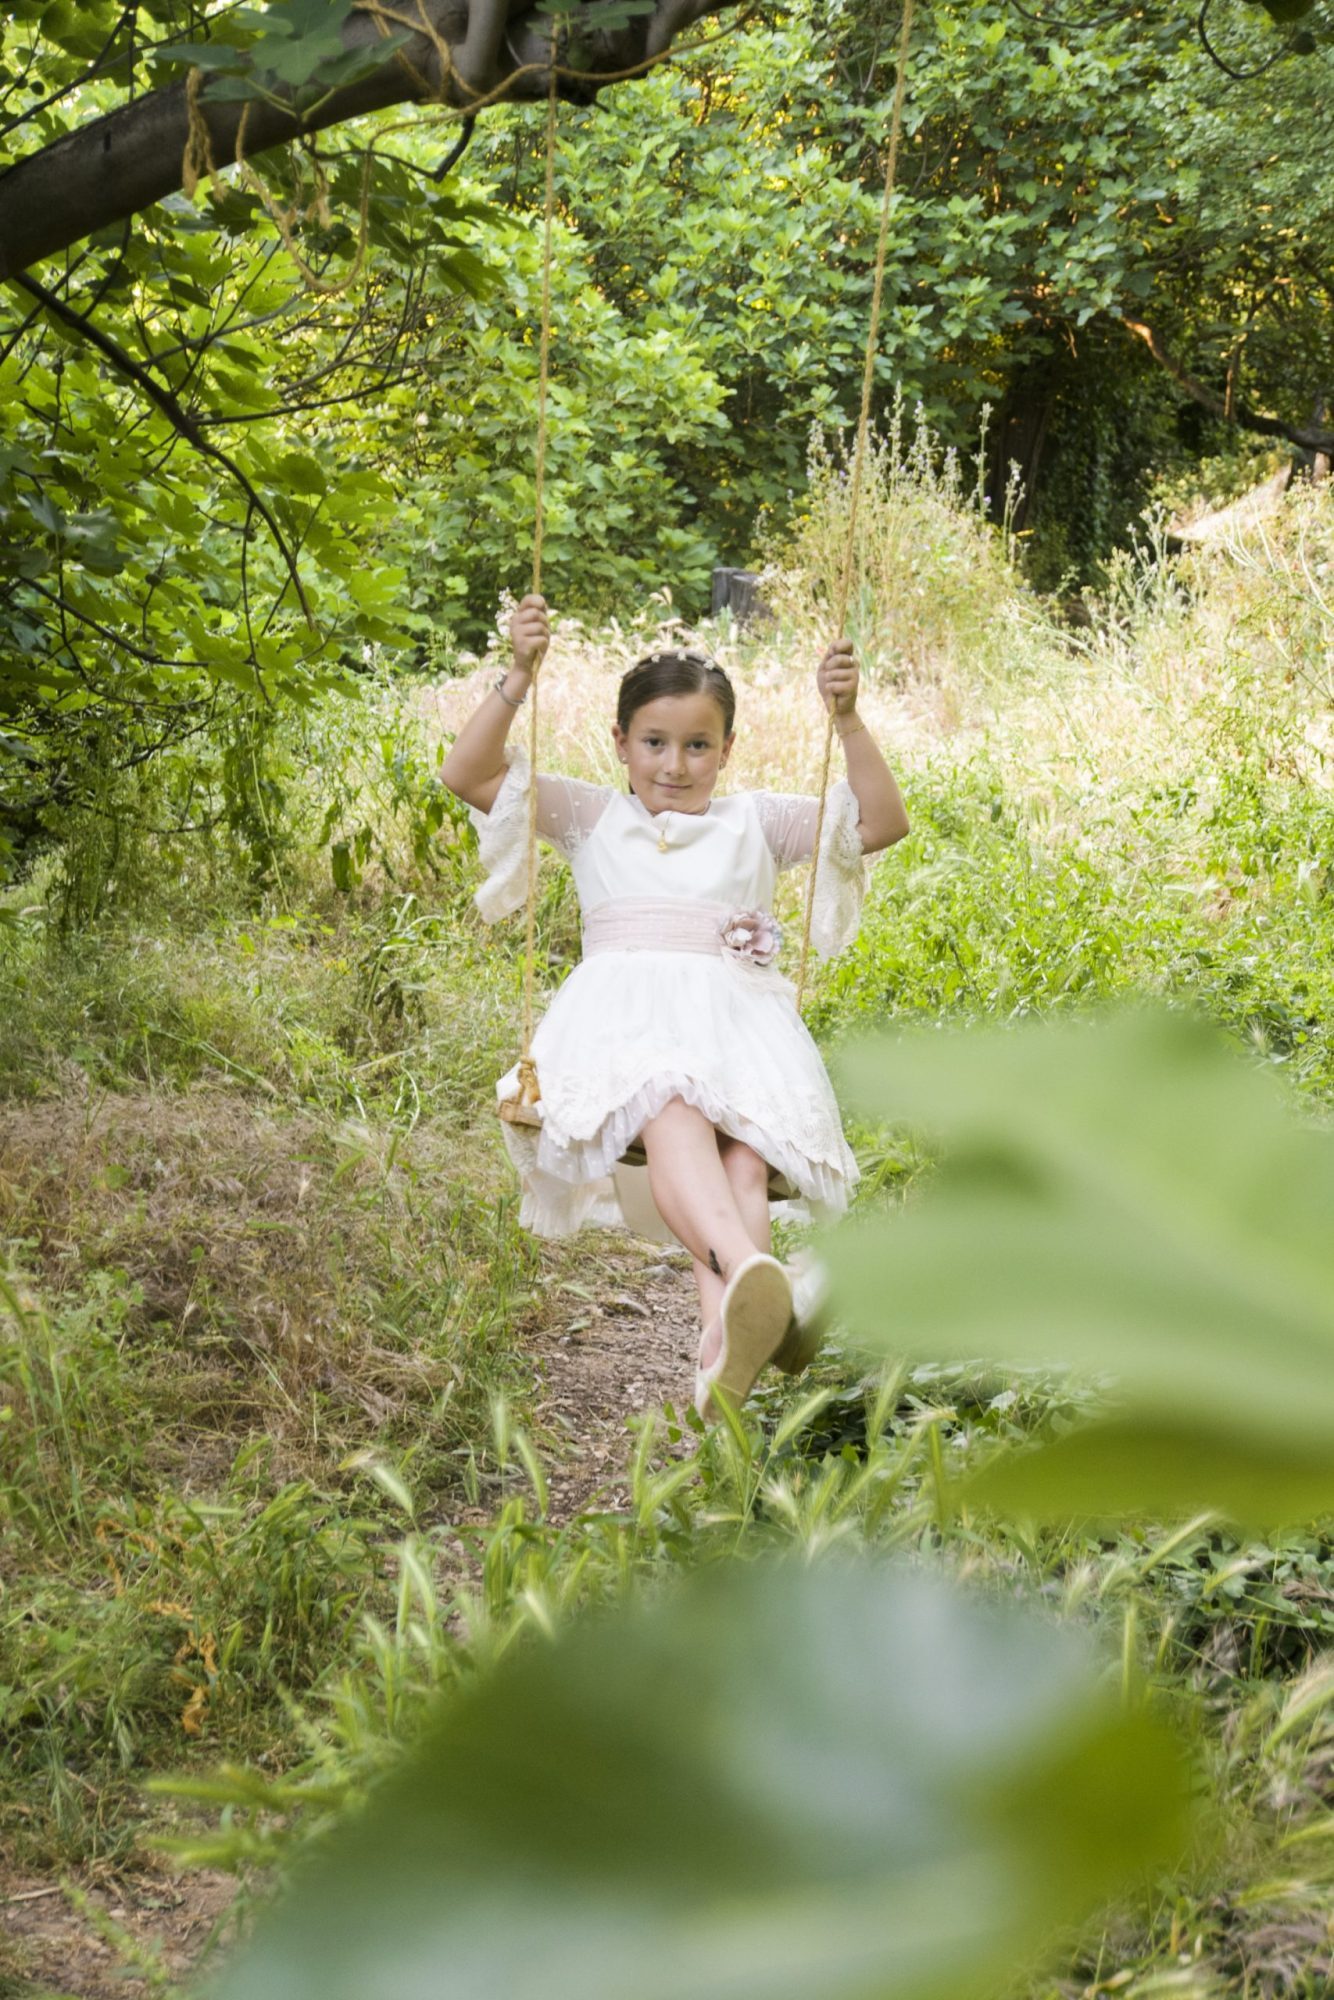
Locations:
294 51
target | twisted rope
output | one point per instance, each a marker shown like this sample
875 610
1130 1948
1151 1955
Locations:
529 1092
858 462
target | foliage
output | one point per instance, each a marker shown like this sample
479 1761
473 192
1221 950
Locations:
1050 191
147 609
199 437
292 53
1135 1203
706 1795
626 399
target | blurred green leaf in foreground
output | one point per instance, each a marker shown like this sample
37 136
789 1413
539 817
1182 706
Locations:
1130 1200
773 1780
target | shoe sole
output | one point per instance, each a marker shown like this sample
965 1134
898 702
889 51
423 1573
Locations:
757 1311
800 1345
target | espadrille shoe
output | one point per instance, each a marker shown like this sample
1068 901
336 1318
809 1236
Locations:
756 1313
810 1311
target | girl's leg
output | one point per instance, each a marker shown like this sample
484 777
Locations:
692 1190
710 1288
709 1184
749 1176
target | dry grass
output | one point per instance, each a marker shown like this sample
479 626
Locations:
1187 673
780 723
322 1281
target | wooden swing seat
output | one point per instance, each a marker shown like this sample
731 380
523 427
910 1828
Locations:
513 1111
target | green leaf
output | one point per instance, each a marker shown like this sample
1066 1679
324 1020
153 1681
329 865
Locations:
1158 1466
301 473
834 1781
1132 1201
607 15
201 55
342 867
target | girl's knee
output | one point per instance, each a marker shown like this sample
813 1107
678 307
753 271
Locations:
745 1168
678 1123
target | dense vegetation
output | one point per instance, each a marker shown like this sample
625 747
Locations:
274 1469
241 450
265 1281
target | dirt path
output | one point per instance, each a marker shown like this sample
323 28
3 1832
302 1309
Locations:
117 1939
620 1340
628 1345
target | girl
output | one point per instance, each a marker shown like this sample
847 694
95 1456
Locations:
677 1031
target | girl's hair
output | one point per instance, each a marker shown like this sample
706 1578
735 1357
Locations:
664 673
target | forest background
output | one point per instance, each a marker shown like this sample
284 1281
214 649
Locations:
266 472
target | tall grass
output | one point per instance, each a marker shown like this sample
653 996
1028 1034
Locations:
935 589
266 1284
869 1467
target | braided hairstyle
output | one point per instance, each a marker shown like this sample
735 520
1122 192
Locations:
670 672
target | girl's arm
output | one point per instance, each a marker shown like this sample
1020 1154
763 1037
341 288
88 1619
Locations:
475 768
883 817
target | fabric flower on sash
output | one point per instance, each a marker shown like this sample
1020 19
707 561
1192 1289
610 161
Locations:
751 935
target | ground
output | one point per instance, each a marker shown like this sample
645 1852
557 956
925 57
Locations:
631 1348
104 1940
626 1344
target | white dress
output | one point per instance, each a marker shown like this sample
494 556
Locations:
636 1024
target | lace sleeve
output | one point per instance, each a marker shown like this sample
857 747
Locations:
788 822
567 812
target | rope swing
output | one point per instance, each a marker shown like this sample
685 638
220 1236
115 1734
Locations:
858 464
525 1107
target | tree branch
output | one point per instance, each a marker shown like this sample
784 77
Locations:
133 157
179 419
63 604
1308 438
455 153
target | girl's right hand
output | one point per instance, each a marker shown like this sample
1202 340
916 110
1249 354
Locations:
530 633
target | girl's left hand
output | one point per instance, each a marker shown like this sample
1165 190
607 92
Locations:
838 677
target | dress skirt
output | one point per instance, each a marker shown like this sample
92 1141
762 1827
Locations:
630 1031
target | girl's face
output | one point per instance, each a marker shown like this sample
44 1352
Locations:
673 751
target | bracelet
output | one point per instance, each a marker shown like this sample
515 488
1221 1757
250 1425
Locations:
499 685
843 734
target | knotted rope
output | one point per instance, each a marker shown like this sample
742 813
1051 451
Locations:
844 595
529 1092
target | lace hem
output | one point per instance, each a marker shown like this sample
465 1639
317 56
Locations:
553 1208
824 1183
840 882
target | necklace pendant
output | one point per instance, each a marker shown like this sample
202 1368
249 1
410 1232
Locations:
662 843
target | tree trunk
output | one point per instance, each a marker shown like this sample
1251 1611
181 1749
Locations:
1020 440
119 164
